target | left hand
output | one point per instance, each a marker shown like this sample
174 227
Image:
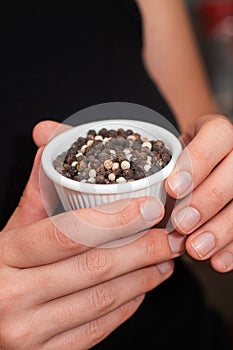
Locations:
204 187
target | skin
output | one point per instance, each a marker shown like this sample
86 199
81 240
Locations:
210 148
35 254
173 61
112 282
207 135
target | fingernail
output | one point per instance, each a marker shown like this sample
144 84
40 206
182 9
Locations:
176 242
165 267
180 182
226 260
203 244
186 219
151 210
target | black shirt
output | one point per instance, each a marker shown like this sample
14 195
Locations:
58 58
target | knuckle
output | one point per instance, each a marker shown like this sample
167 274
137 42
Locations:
127 214
14 335
152 250
103 298
119 219
96 330
65 229
223 122
64 241
60 238
214 195
96 263
201 157
9 296
147 279
229 221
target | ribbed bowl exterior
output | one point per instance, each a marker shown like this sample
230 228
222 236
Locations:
76 195
72 200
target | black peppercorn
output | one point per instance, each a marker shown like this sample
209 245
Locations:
112 156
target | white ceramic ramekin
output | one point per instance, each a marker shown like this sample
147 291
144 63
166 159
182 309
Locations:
76 195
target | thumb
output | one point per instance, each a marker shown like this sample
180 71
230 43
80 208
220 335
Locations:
38 200
46 130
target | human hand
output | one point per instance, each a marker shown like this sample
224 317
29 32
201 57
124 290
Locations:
59 294
207 212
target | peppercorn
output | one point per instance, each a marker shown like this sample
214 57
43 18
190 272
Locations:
95 164
128 174
112 156
100 179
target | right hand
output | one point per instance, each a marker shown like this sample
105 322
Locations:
59 294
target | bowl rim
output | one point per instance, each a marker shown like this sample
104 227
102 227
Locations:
60 180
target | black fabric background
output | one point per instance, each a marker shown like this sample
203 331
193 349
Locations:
56 59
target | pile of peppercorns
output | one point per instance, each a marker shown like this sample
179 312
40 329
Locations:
111 157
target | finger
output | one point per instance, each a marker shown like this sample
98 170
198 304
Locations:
212 237
101 299
91 333
211 144
31 206
100 265
44 131
194 128
57 238
223 260
206 200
